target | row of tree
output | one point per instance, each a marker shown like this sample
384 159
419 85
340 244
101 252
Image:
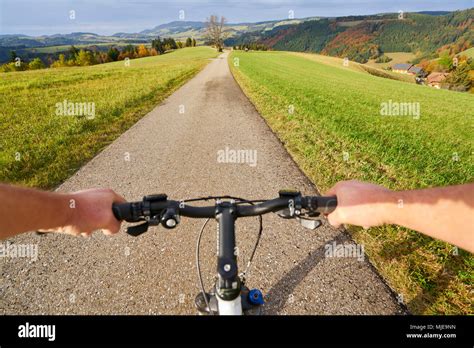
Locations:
167 44
85 57
251 46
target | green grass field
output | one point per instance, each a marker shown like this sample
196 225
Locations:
366 68
337 115
397 58
40 148
468 53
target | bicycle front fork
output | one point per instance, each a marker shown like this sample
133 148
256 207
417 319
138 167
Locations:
249 303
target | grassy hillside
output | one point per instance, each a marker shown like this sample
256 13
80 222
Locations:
468 53
366 68
40 148
397 58
337 114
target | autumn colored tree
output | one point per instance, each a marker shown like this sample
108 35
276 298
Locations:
85 58
459 79
61 62
142 51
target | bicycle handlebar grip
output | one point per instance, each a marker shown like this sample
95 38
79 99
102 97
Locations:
325 205
328 204
122 211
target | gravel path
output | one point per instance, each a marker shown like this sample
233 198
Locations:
174 149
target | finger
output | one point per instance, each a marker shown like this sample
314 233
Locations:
333 219
108 232
113 228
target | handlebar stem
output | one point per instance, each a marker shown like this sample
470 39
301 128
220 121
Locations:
228 285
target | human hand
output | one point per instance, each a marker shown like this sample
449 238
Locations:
359 203
91 210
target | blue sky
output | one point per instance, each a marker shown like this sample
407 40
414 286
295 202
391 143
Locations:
37 17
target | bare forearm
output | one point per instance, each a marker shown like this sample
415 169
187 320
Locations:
445 213
23 209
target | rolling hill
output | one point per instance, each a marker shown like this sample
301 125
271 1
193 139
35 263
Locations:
361 38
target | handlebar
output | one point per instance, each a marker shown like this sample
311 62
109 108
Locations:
157 205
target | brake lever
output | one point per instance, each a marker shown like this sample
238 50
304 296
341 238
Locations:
137 230
308 223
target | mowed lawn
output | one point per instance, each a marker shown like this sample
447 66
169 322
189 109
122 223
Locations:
40 148
329 118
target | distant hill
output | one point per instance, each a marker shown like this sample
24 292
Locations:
361 38
435 13
28 47
174 28
178 30
25 41
357 37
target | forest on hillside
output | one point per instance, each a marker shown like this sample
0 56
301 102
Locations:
362 38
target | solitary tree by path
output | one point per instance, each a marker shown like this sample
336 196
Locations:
215 31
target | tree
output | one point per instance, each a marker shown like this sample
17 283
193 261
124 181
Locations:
180 44
130 51
194 42
13 56
189 42
215 31
169 44
36 64
142 51
85 58
158 45
73 52
61 62
445 61
459 79
13 66
113 54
